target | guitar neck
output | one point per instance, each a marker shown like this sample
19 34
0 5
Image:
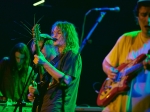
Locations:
37 48
41 69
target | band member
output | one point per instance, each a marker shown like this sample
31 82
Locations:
49 51
14 72
63 88
128 47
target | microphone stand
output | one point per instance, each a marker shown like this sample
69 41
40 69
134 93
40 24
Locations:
20 103
102 14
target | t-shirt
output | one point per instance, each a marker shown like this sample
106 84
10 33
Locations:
70 64
128 47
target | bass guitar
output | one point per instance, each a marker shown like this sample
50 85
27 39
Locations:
111 88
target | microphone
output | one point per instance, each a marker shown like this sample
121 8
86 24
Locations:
53 39
47 37
116 9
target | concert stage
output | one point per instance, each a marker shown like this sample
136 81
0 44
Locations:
10 108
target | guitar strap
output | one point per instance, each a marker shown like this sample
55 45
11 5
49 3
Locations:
54 61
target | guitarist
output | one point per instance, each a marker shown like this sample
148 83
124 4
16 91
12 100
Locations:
65 72
49 51
129 46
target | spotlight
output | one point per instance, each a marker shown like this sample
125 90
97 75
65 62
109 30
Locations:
39 2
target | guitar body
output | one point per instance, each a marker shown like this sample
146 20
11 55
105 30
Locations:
112 88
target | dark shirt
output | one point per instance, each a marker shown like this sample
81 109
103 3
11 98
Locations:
63 98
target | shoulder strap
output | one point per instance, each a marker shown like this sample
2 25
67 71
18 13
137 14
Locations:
56 59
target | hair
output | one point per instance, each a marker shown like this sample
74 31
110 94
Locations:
70 34
23 49
140 3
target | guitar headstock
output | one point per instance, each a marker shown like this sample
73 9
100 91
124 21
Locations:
36 32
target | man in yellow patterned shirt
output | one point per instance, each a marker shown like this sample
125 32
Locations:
128 47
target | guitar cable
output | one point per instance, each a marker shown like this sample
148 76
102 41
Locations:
95 88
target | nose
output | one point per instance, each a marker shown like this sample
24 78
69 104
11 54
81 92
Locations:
54 35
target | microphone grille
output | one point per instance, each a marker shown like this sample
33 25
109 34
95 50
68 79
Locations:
117 9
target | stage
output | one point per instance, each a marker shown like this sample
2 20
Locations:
4 107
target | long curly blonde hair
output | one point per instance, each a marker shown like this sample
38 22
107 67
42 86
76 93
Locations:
70 34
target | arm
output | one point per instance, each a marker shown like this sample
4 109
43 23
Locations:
112 60
55 73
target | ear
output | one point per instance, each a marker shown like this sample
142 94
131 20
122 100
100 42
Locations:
137 20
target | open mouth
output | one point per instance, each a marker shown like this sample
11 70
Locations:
54 39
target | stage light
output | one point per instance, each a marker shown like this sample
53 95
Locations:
39 2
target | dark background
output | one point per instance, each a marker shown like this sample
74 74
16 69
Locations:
14 14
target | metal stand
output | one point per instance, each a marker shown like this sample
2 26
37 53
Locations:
102 14
20 102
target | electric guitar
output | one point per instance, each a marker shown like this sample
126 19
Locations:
43 77
111 88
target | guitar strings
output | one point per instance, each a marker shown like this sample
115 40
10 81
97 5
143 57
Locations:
23 27
28 29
